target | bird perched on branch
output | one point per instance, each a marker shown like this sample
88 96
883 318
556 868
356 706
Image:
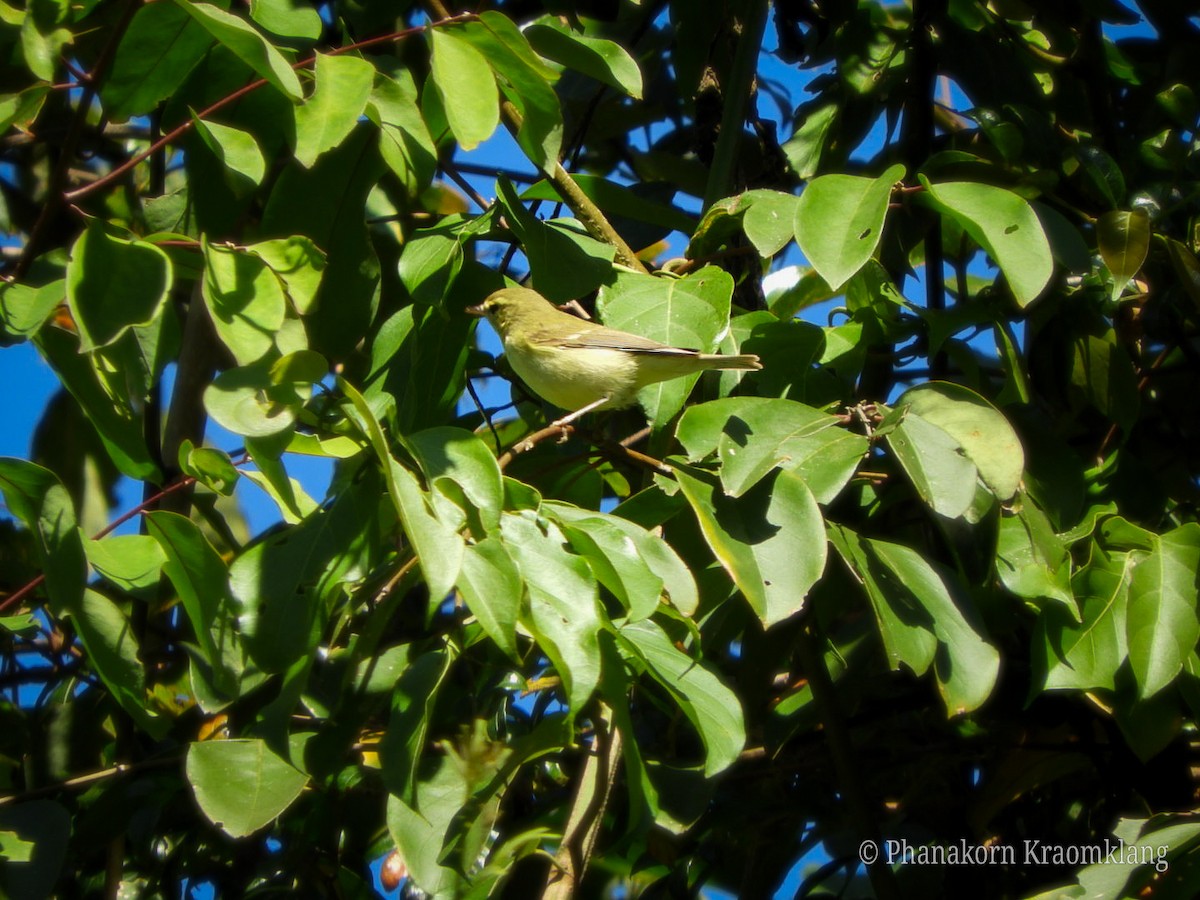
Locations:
579 365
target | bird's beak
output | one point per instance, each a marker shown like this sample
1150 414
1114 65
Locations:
476 310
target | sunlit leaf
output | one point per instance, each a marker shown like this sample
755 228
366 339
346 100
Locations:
240 785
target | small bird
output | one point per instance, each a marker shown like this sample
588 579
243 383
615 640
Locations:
579 365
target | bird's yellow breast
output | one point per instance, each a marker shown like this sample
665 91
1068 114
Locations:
571 378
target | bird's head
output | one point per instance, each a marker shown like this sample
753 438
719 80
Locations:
510 307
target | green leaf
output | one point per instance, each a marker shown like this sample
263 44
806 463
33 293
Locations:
112 650
405 143
839 221
103 393
466 86
423 355
201 579
246 401
246 44
1162 622
130 561
420 830
245 299
20 110
1004 225
670 574
708 703
286 19
431 260
771 540
297 262
289 495
904 624
1085 655
608 545
966 665
15 850
934 462
240 785
413 698
157 53
985 436
491 585
114 284
564 261
770 220
236 149
1142 844
327 204
278 616
25 625
211 467
753 435
36 497
42 48
605 61
48 825
689 312
459 466
1103 372
524 80
438 547
326 118
1124 241
24 309
1031 559
564 612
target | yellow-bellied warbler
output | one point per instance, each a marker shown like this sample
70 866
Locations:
579 365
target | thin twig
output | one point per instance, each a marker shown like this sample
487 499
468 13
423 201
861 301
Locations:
527 444
82 781
449 167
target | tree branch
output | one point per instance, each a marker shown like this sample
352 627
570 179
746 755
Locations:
587 810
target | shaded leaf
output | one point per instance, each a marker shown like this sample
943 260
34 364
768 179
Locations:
1124 241
710 705
113 285
564 611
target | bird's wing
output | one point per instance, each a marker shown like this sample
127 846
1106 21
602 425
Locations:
610 339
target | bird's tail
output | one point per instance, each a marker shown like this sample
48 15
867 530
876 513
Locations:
745 361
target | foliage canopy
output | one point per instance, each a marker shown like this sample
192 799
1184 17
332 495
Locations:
930 575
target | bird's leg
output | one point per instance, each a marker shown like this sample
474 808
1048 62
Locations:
583 410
